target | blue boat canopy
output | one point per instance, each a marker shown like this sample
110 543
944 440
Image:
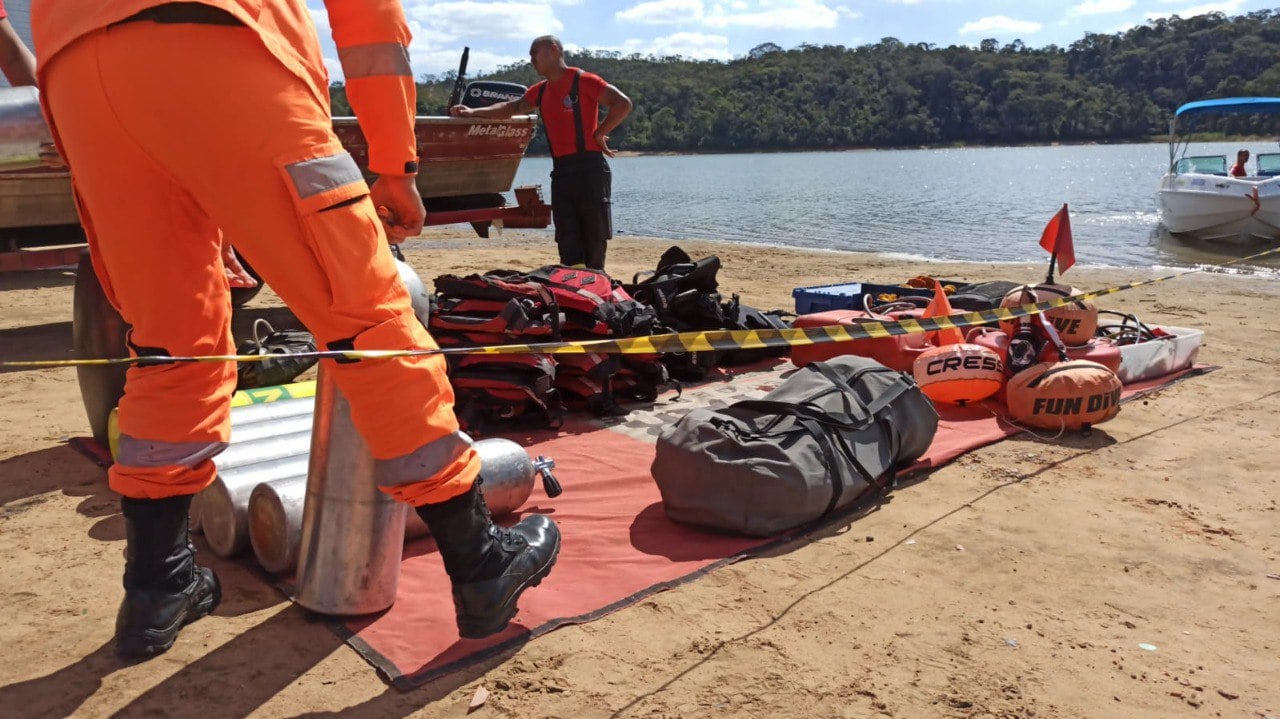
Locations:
1233 105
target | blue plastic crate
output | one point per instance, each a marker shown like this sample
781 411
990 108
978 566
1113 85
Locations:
848 295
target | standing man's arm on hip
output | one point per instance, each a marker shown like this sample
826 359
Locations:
619 106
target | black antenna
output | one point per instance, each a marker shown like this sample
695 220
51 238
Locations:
456 96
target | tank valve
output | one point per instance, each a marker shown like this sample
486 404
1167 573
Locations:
543 466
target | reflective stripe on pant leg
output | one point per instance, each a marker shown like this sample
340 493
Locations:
136 452
156 470
451 456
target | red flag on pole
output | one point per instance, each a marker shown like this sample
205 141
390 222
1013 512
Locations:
1056 239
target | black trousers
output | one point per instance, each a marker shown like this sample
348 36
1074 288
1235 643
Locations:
582 208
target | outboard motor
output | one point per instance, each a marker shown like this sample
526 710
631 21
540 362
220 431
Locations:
482 93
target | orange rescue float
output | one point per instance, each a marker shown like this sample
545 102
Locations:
958 374
1064 395
1076 322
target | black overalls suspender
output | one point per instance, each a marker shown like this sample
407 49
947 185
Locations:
577 113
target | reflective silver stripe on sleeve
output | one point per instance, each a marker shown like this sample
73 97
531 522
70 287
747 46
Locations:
311 177
381 58
425 462
136 452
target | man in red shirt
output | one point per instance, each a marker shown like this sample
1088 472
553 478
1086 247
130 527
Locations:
568 101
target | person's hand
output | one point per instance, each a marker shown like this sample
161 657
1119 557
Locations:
461 111
399 206
50 157
237 275
603 141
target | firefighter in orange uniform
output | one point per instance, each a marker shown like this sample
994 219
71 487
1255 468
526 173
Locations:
183 122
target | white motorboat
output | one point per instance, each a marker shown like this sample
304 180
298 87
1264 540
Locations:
1200 200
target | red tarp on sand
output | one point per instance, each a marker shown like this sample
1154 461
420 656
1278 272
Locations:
618 545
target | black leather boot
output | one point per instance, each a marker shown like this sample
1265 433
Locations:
164 590
490 566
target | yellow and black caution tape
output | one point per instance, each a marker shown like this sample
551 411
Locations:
674 343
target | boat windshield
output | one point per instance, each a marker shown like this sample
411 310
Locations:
1269 164
1203 165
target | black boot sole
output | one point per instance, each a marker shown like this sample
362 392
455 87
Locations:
480 630
151 642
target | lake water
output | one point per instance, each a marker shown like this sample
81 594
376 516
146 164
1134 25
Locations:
971 204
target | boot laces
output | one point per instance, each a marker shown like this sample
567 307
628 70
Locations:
509 540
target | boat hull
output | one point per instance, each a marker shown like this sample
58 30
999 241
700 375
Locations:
1221 209
458 156
36 198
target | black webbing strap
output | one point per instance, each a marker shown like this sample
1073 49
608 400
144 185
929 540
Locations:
543 91
143 353
577 112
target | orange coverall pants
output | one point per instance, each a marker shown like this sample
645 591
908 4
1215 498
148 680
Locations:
170 151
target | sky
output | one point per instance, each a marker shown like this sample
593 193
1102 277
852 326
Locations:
498 31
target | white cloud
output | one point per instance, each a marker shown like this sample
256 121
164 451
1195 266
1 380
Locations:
434 60
774 15
1228 7
695 45
468 19
720 14
663 12
1000 24
1099 7
442 29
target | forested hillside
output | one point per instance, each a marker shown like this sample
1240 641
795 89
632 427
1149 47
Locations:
1102 87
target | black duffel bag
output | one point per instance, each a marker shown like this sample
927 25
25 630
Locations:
826 436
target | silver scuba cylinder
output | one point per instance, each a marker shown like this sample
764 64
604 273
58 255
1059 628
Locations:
193 515
250 414
509 473
259 433
419 297
276 508
224 505
275 523
265 449
267 429
352 532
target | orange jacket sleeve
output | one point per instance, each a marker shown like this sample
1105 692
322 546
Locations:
373 45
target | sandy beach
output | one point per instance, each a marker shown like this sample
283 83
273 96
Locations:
1132 572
